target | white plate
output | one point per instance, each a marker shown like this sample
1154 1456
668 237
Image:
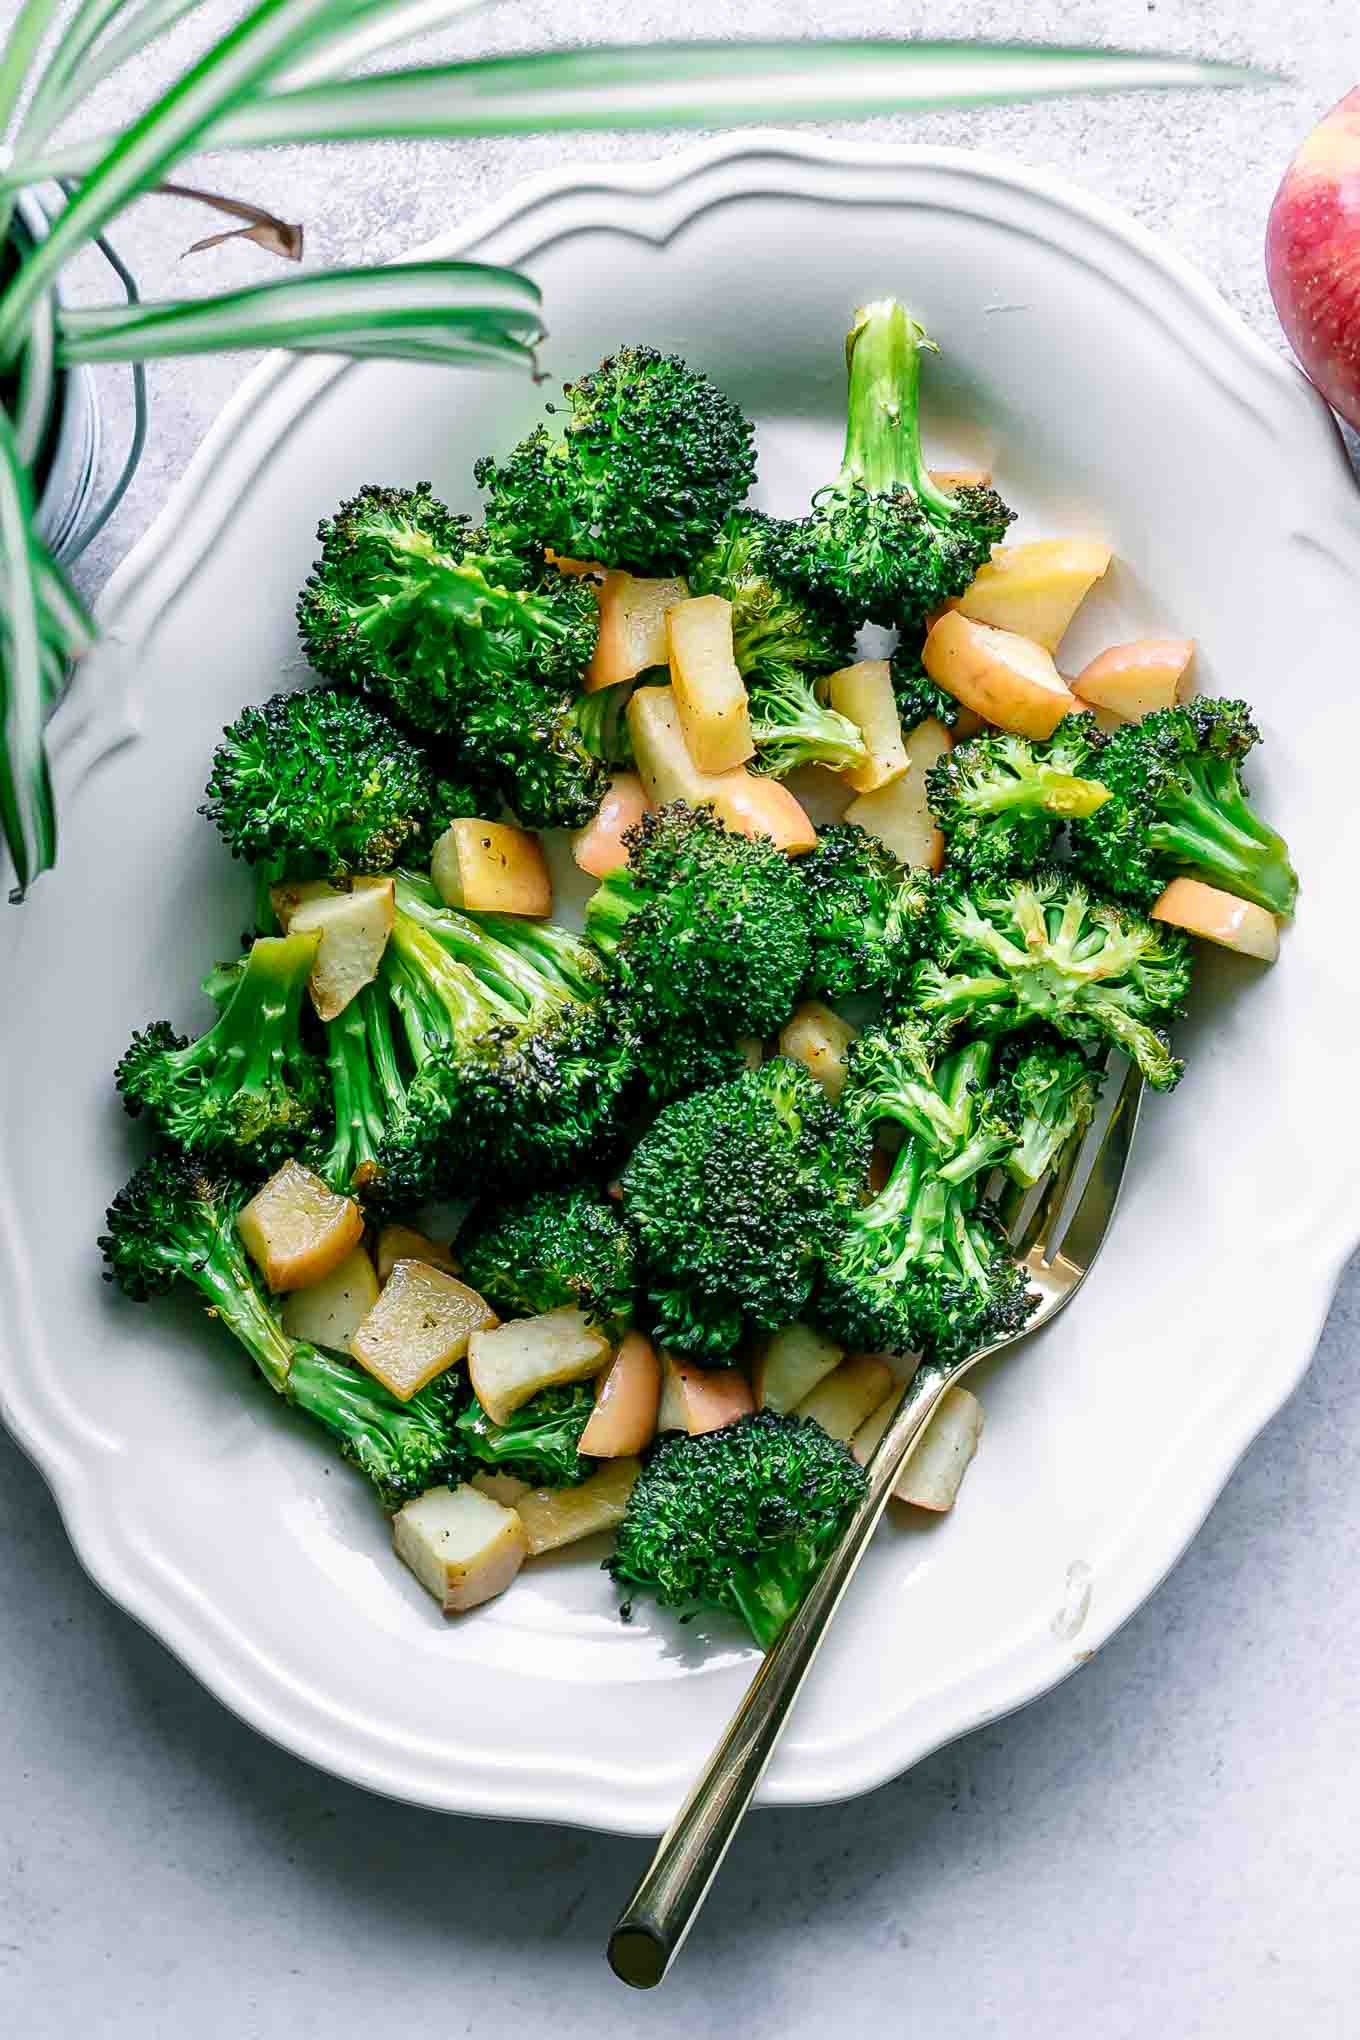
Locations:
1116 395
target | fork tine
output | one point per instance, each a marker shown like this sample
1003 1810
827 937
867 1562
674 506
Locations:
1078 1230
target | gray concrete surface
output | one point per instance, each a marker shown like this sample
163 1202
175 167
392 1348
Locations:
1164 1847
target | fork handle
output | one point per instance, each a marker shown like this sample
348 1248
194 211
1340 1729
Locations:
651 1929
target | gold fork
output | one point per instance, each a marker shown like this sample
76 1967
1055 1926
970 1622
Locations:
1056 1232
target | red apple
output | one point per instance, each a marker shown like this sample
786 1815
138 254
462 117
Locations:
1313 256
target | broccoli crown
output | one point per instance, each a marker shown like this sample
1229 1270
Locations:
783 643
535 1081
321 785
175 1220
736 1193
646 461
1049 1091
456 642
681 1058
546 750
1001 800
918 697
864 912
250 1086
703 927
557 1247
740 1519
883 540
538 1443
1004 955
925 1267
1179 808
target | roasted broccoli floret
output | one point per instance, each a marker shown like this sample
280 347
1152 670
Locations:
740 1519
783 644
462 641
641 464
557 1247
924 1267
540 1080
538 1443
883 540
704 928
1179 809
918 697
864 912
1048 1090
322 785
176 1221
250 1086
1001 801
735 1194
1004 955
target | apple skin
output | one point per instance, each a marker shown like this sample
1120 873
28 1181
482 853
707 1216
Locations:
1313 256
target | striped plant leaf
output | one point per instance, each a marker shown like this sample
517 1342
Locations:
675 85
26 812
417 310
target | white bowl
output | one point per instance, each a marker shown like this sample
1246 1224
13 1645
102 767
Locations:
1116 395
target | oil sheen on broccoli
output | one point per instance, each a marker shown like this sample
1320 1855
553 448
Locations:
736 1194
883 540
740 1519
642 461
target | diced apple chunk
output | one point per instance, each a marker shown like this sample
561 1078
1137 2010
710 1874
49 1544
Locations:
747 802
864 693
575 570
627 1397
1220 917
556 1516
932 1476
491 868
328 1313
420 1325
709 691
848 1395
632 627
899 814
789 1364
511 1362
502 1487
1011 681
599 848
819 1038
1134 679
296 1229
1035 589
353 923
462 1547
698 1399
961 477
404 1243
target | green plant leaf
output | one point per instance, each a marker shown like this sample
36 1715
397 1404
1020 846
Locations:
20 47
26 812
85 55
425 311
680 85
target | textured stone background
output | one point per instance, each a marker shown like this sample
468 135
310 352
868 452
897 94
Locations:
1165 1846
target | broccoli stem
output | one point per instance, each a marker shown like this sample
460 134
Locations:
223 1276
769 1586
883 433
1213 829
610 908
245 1054
398 1445
367 1093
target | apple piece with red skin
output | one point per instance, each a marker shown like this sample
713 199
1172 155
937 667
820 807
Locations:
1313 256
